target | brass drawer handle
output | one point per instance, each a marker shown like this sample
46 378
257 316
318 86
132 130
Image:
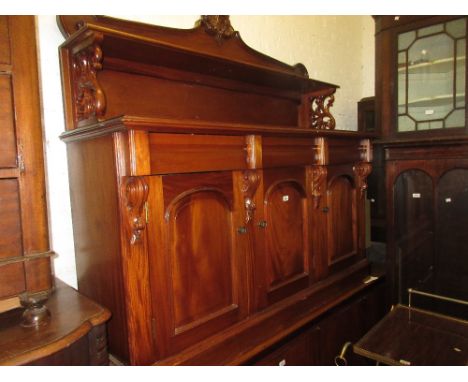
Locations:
262 224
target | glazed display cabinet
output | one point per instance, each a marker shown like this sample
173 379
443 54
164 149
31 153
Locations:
421 111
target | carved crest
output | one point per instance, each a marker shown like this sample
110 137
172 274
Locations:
319 181
250 181
320 116
218 26
136 194
89 99
362 171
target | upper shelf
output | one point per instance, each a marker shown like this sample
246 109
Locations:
211 48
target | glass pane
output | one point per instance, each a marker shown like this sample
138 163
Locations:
456 28
405 124
436 125
405 39
456 119
461 66
431 30
430 78
402 83
424 126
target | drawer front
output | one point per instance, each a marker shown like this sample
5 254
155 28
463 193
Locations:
182 153
298 351
282 152
342 151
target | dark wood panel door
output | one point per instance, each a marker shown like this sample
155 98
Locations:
451 259
193 236
341 219
285 237
414 231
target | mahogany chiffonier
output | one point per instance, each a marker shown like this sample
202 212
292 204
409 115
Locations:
215 209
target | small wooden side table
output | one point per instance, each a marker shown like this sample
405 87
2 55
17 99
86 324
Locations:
75 334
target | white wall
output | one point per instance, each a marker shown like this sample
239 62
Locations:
336 49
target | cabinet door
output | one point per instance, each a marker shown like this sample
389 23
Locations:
196 269
451 260
285 237
414 231
342 218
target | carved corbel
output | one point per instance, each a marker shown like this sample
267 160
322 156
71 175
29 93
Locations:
89 98
320 115
136 195
362 171
319 183
250 182
365 150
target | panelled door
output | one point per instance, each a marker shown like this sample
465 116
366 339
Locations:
196 265
285 239
341 209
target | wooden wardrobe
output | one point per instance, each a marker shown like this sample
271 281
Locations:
25 265
216 209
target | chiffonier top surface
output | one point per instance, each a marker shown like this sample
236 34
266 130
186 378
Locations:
162 125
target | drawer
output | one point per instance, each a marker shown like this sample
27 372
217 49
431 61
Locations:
182 153
295 352
284 152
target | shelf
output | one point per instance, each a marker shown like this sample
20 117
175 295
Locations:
440 100
442 65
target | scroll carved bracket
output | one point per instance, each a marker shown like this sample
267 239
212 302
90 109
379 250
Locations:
136 195
319 182
250 182
362 171
89 98
320 115
218 26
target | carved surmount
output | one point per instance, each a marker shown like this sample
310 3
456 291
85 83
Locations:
320 116
362 171
250 182
89 99
319 183
218 26
136 195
